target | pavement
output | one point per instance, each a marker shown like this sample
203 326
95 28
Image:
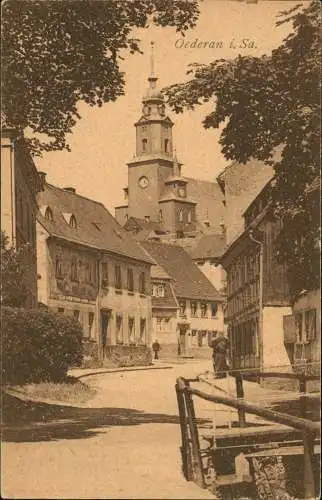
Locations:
124 443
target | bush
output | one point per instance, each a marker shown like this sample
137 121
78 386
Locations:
38 345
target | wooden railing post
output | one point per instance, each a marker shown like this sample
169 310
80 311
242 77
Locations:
197 465
309 483
185 445
240 395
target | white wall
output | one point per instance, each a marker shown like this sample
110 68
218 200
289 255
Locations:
274 352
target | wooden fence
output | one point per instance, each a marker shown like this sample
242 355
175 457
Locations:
191 452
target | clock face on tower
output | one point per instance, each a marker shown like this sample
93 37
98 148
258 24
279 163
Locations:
143 181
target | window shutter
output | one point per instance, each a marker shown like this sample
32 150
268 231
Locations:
289 329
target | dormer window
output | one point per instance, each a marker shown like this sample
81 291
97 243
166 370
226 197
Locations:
49 214
70 219
72 222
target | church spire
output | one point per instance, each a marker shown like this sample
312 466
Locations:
152 78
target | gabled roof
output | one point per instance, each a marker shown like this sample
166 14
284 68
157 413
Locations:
209 246
189 281
96 227
168 301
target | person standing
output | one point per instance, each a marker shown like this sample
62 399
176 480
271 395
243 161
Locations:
156 348
219 355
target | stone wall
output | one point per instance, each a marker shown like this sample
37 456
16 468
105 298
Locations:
127 355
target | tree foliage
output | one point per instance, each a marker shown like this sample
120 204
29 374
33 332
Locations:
58 53
268 102
14 285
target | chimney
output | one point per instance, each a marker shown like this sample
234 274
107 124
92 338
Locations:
70 189
42 180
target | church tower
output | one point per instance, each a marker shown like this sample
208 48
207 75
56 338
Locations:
156 190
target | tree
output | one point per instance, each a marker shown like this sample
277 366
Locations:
268 102
57 53
14 289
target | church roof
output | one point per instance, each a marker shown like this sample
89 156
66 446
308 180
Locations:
189 281
95 227
209 246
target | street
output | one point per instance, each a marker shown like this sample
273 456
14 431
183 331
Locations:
123 444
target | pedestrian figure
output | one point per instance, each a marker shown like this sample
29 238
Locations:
156 348
219 355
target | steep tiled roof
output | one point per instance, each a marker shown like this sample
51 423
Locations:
158 272
209 199
208 246
189 281
95 226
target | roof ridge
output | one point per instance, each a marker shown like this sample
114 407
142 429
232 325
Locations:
77 194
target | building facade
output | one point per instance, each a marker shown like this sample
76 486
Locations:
302 332
187 309
257 291
90 268
19 188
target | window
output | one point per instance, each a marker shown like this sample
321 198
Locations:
310 324
194 308
189 216
158 290
182 307
203 308
159 326
72 222
180 215
61 310
90 324
58 268
214 309
144 144
104 274
142 331
130 280
180 234
142 283
166 145
131 331
160 216
74 270
118 278
76 314
299 327
49 214
119 330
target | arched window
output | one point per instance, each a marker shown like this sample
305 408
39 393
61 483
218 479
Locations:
180 215
72 222
144 144
49 214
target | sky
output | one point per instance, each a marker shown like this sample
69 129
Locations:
103 141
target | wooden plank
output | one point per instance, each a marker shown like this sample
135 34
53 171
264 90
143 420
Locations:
284 450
